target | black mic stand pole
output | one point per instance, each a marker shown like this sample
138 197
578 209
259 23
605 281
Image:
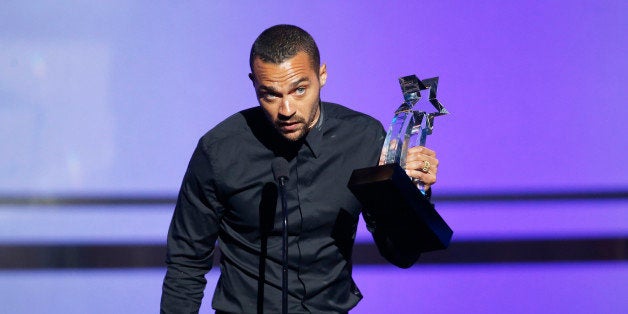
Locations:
281 171
284 273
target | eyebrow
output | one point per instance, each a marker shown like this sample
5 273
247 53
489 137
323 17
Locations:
293 85
299 81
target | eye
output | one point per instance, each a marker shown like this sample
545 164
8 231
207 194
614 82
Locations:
300 90
268 96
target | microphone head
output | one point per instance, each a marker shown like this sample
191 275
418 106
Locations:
280 167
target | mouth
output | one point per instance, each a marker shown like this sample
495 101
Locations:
289 127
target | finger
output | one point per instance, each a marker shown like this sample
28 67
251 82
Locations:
422 150
426 178
431 165
419 155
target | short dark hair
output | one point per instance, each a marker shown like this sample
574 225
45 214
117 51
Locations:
282 42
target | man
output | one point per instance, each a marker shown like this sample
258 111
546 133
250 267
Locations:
228 193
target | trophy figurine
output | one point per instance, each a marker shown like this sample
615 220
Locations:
387 194
411 127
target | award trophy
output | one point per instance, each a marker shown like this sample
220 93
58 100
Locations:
388 195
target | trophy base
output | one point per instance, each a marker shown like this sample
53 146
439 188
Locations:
397 205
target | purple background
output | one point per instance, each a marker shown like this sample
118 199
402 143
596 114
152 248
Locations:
112 96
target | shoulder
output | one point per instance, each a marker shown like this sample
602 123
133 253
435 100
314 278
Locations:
342 115
355 134
234 130
339 112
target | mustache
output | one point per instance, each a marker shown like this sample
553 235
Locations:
289 122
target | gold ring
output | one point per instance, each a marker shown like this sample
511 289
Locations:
426 166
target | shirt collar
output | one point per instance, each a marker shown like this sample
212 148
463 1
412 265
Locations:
314 138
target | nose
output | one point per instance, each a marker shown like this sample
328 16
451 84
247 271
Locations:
286 109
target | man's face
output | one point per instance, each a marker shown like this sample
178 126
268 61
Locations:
289 93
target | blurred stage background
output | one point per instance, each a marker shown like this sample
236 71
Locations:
102 103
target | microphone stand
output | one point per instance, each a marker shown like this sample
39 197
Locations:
281 171
284 251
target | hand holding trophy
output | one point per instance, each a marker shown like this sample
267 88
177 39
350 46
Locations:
387 194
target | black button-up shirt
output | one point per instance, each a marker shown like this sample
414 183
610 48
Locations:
229 194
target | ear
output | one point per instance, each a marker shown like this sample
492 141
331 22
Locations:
322 74
252 78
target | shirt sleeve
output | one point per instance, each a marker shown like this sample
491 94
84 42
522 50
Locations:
191 237
395 247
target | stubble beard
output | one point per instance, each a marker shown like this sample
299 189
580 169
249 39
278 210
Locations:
297 134
305 125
